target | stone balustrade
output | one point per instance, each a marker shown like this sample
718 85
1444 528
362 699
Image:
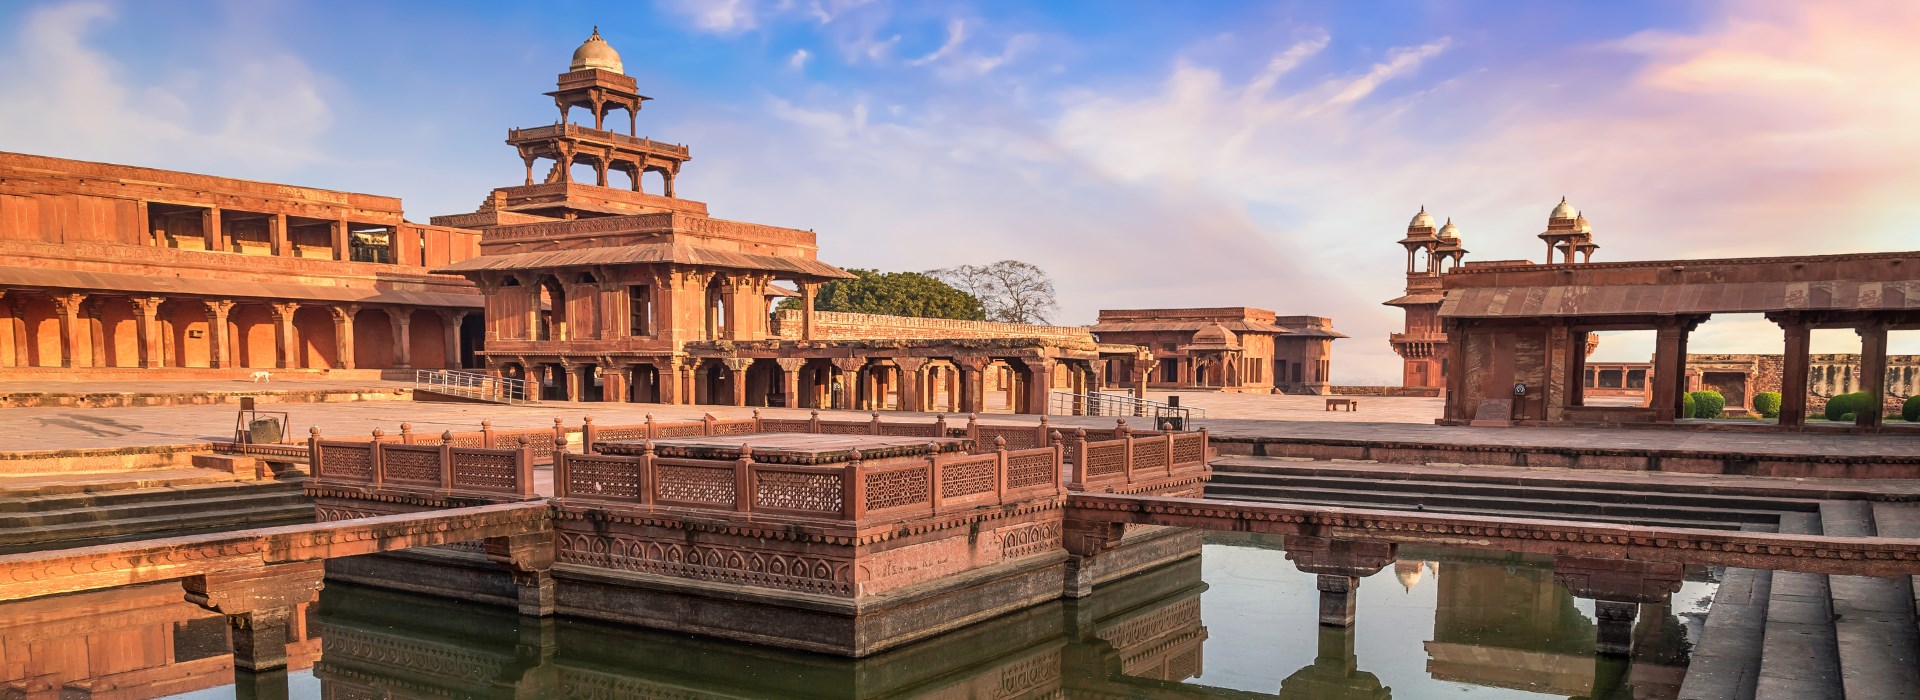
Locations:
377 464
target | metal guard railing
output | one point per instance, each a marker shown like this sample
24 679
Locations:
1066 403
475 385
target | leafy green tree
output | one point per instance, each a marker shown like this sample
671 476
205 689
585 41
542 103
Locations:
894 294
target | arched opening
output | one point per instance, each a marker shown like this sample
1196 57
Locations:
373 341
620 178
592 382
313 329
553 310
766 384
816 384
643 386
716 311
582 172
553 382
715 384
473 339
250 334
654 181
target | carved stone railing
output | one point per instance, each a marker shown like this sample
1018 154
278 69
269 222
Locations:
442 469
936 481
1118 460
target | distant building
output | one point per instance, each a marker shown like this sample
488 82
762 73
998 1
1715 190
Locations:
1235 349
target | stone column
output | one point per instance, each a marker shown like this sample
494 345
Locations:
1039 384
1339 565
849 368
973 384
790 381
570 379
210 225
343 333
1793 371
450 323
97 332
217 310
1873 373
530 559
286 339
666 381
737 380
689 367
912 379
342 240
402 319
1577 369
146 311
808 291
277 235
68 306
1669 370
260 606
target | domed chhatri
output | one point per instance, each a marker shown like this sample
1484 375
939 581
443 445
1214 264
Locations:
595 52
1564 211
1215 335
1421 220
1450 230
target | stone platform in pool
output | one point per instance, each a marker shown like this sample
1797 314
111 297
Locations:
843 537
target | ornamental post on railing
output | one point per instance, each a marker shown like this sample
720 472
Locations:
523 467
758 427
560 467
377 457
813 422
1060 453
587 436
313 451
1206 445
973 429
706 424
486 434
1000 469
1168 463
853 488
743 481
1126 447
406 433
936 474
559 434
647 474
1078 477
940 426
446 459
1041 433
649 435
873 424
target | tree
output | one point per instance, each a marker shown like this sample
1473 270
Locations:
894 294
1011 291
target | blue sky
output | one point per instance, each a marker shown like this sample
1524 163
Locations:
1147 154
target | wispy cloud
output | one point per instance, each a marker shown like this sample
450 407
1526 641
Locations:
722 16
956 35
798 60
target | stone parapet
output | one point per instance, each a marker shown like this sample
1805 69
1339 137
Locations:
833 325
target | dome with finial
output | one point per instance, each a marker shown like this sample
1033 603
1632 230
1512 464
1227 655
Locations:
1563 211
1408 572
1421 220
1449 230
1580 223
596 53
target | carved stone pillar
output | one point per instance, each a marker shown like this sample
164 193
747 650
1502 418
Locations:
737 380
342 238
912 378
146 312
790 381
973 384
71 329
1339 564
570 379
210 225
260 605
277 235
842 387
343 333
1039 384
450 323
217 310
402 320
1873 373
530 558
286 340
1793 371
808 292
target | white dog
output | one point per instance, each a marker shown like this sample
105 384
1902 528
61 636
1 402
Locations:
262 376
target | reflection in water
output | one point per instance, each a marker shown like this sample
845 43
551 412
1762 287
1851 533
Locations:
1500 627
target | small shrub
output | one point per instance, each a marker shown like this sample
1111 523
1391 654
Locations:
1910 411
1767 404
1848 418
1708 404
1686 405
1844 406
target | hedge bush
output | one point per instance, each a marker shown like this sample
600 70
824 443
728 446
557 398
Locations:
1708 404
1767 404
1910 411
1686 405
1842 407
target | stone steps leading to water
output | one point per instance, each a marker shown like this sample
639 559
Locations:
1873 618
1800 657
96 517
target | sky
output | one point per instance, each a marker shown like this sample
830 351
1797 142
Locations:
1148 154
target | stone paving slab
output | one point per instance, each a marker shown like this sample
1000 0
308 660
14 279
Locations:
1715 484
1725 665
1800 658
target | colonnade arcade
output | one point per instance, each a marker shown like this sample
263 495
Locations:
955 384
77 329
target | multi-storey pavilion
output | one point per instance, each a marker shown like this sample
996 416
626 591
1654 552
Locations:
111 266
608 293
1421 345
1235 349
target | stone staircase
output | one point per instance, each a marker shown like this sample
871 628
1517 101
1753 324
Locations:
1498 493
178 502
1776 635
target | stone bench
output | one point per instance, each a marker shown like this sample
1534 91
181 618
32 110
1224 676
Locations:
1350 405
